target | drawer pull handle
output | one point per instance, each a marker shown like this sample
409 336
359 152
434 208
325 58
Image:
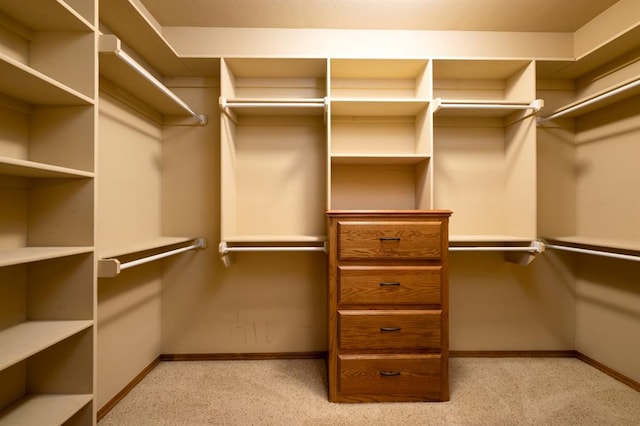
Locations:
389 373
389 238
389 284
389 329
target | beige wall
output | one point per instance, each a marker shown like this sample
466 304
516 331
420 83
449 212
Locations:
608 313
128 211
500 306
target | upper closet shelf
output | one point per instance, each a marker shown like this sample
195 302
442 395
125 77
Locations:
111 260
22 255
378 107
598 100
47 15
483 108
119 67
29 85
24 168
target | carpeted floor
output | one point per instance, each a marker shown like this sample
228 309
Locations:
484 391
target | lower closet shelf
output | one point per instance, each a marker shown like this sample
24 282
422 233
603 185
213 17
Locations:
28 338
43 409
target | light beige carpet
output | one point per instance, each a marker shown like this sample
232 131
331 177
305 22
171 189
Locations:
484 391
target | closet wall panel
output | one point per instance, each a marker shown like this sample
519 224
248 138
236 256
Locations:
497 305
265 302
608 313
128 210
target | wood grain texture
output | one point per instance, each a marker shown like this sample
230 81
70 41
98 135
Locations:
388 306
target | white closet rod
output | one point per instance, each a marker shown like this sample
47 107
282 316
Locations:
112 267
527 249
594 252
115 48
439 103
225 104
198 244
593 100
226 250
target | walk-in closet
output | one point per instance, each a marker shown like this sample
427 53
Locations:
386 187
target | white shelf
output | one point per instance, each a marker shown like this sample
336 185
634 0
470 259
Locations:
43 410
378 107
24 168
22 255
134 25
28 338
345 158
24 83
46 15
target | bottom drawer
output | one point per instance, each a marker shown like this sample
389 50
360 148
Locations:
414 377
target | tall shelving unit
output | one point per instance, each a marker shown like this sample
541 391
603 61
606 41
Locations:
47 168
484 149
273 154
380 134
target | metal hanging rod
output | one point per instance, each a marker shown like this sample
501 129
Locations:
225 249
495 248
313 103
112 267
594 252
535 105
109 43
535 247
595 99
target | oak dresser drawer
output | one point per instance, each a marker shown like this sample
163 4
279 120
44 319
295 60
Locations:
419 240
410 377
389 329
390 285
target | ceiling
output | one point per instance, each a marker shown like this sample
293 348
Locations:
440 15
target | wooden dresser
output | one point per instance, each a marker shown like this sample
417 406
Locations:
388 305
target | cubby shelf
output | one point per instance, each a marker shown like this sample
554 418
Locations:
47 170
53 409
356 158
29 85
28 338
47 15
31 169
378 107
22 255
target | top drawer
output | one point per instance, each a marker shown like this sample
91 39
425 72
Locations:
411 240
